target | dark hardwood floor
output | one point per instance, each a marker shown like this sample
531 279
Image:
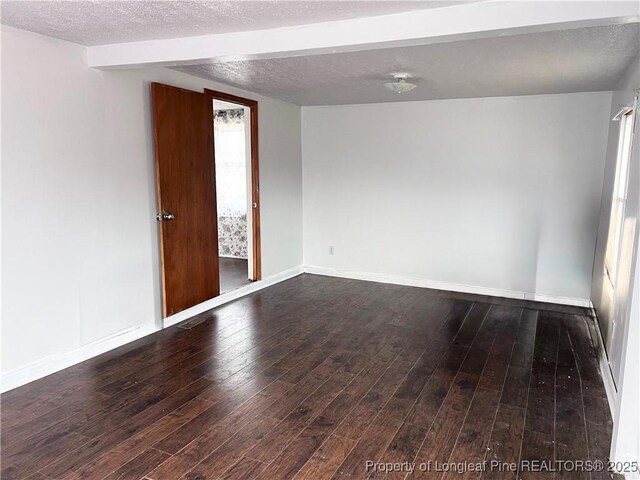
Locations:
234 273
315 376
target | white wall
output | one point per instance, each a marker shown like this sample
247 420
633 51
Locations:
626 427
80 247
618 309
496 193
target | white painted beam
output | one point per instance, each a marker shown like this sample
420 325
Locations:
461 22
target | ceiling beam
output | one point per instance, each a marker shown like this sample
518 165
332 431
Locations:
460 22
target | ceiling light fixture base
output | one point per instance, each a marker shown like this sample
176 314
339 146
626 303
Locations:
400 83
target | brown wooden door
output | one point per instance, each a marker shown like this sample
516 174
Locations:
185 169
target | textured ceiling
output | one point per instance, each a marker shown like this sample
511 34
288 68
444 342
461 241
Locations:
586 59
103 22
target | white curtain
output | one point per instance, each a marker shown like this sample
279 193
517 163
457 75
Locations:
231 175
231 182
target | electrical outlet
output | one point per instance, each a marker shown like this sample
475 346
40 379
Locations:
331 249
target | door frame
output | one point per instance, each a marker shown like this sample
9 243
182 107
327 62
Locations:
255 179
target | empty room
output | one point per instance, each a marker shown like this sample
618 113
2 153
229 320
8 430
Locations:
320 239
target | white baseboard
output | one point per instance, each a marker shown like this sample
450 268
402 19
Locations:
605 368
606 374
231 296
54 363
453 287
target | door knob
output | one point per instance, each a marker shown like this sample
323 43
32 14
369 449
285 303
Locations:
161 217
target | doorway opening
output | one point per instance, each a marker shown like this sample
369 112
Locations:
235 137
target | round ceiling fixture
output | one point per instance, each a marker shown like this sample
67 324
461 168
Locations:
400 83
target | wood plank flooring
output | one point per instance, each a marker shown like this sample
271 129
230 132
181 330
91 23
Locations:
234 273
313 378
